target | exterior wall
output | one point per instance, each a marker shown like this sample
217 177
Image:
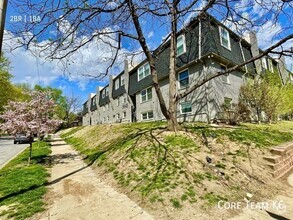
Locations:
219 90
204 56
120 109
152 105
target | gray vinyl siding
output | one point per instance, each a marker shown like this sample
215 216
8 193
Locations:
248 55
121 89
211 32
105 100
118 92
220 89
93 104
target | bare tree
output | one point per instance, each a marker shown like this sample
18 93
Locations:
72 106
76 24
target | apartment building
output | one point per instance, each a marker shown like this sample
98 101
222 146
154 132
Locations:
204 47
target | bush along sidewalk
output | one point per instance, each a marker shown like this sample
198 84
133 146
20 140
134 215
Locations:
23 186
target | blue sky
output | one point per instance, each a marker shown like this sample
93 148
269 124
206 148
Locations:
29 69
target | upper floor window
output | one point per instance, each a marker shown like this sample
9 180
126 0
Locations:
143 71
264 63
117 84
124 98
94 101
107 91
183 79
122 80
181 47
224 38
146 95
103 93
185 107
118 101
225 77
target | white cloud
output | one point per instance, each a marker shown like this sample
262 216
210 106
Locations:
267 33
150 34
92 59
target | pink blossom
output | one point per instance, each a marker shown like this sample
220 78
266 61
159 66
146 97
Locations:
35 116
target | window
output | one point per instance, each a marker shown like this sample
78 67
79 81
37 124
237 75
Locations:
185 107
118 101
183 79
124 114
225 77
143 71
264 63
103 93
147 115
181 48
122 80
124 98
146 95
107 91
114 116
107 118
118 115
117 84
227 103
224 38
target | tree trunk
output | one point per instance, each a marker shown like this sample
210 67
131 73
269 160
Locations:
30 153
173 124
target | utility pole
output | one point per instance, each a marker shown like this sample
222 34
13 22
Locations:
3 7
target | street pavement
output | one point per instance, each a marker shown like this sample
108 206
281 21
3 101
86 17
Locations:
8 150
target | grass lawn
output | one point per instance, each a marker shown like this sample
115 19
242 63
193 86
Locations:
22 186
169 171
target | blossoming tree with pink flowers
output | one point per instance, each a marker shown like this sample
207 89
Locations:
34 116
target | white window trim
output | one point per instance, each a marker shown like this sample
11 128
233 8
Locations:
146 95
220 33
122 79
147 112
226 75
124 98
184 45
264 63
185 113
117 84
230 101
179 79
143 75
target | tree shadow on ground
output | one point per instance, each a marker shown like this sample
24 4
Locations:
53 160
278 217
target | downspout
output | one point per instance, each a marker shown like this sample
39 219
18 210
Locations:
206 85
243 57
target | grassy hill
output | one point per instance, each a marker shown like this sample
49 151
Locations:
168 174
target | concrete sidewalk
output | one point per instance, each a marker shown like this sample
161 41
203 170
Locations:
77 193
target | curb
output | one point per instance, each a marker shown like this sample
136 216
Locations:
2 166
